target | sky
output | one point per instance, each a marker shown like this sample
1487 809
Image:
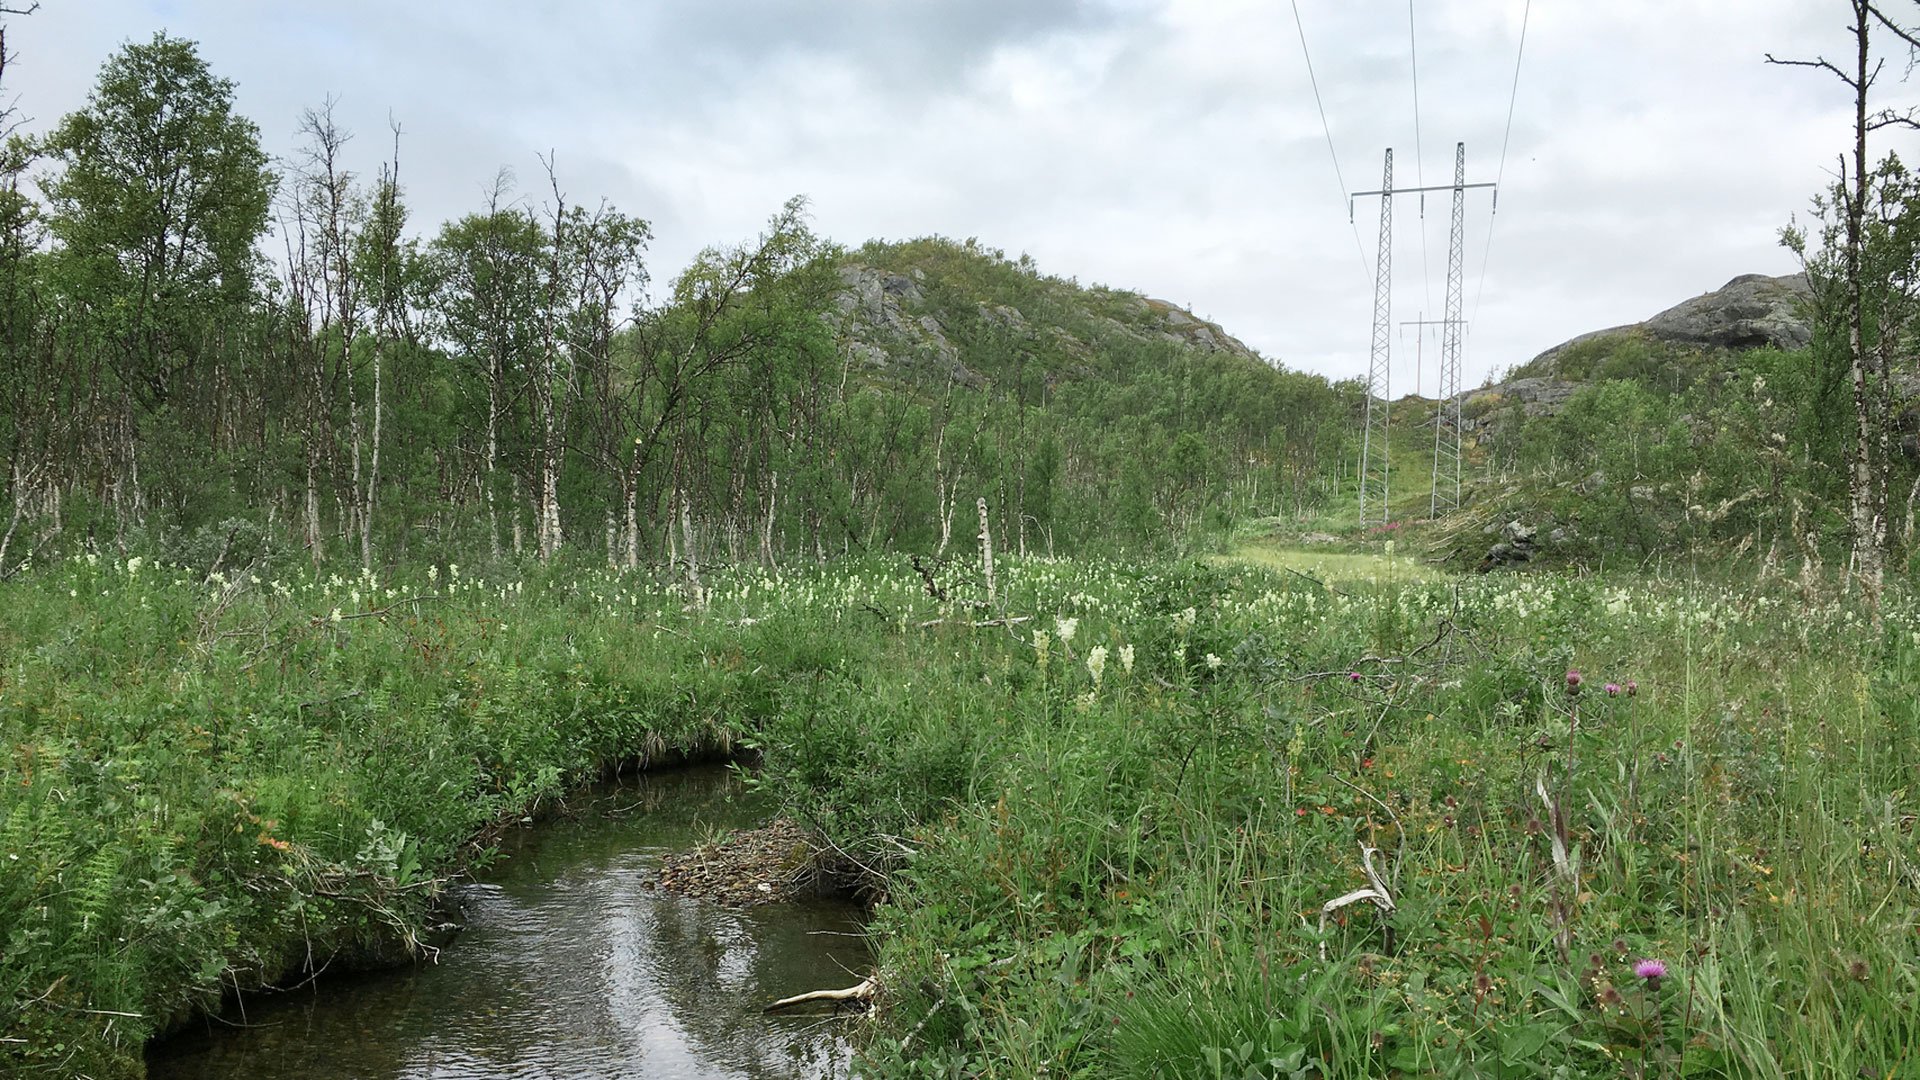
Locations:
1172 147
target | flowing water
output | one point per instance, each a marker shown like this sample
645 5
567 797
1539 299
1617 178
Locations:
569 966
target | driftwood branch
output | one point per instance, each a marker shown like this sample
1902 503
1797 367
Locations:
1376 892
862 992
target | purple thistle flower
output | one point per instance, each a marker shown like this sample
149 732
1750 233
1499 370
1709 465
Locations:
1633 688
1612 689
1651 970
1353 676
1574 679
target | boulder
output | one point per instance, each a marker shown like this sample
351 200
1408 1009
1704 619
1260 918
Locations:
1517 545
903 287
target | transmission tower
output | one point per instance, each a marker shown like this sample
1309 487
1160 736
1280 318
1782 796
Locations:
1446 420
1440 407
1373 438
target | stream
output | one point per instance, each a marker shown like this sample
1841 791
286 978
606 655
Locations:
569 965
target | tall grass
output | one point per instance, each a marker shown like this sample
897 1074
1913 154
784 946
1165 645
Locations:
1099 867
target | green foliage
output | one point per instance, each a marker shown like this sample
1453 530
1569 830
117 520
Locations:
1629 355
503 382
1106 834
1739 459
159 198
205 777
1131 881
1666 450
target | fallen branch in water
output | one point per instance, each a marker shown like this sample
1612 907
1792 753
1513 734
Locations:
863 992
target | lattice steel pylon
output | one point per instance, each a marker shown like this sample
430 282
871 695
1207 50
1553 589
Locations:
1373 440
1446 420
1373 437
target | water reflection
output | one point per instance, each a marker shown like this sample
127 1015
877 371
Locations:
570 966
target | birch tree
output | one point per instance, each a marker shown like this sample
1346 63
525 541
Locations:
1870 345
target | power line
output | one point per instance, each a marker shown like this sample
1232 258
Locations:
1513 95
1419 168
1358 247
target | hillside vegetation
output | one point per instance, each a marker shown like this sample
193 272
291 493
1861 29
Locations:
1717 428
508 383
316 571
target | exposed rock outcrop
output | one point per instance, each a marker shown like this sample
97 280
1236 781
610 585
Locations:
1517 544
1536 397
880 328
1182 327
1751 311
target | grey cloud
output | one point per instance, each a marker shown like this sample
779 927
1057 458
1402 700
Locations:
909 41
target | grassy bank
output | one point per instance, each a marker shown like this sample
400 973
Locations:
208 784
1111 810
1120 834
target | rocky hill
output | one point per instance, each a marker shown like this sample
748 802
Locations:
1090 414
1698 428
913 310
1671 349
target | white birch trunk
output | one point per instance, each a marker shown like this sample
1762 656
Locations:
986 549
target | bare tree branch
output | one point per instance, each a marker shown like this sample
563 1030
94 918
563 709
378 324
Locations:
1906 34
1887 118
1821 63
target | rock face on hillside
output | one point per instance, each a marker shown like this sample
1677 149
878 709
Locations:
1184 328
1751 311
880 329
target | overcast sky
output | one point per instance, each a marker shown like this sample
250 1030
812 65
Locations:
1168 146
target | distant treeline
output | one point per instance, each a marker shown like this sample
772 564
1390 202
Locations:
509 383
